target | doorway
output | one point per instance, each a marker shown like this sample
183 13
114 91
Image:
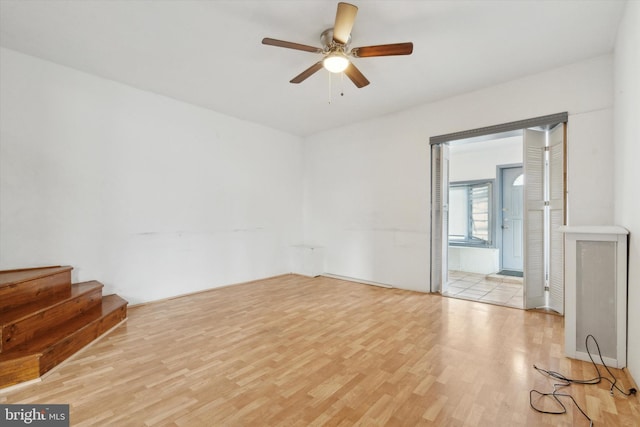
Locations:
485 193
541 184
511 220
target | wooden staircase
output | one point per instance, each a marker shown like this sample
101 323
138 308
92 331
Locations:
44 319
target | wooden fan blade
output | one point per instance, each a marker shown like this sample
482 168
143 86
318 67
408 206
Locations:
306 73
290 45
345 17
356 76
383 50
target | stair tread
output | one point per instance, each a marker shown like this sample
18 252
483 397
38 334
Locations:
36 307
110 303
12 277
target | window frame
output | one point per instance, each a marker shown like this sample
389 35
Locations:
469 240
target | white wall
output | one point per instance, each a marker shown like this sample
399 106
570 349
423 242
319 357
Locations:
479 160
151 196
367 185
474 260
627 169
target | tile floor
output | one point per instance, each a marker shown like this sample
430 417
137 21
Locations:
492 289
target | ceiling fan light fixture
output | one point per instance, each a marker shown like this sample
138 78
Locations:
335 62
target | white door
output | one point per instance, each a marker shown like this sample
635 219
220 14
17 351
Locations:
556 217
544 170
534 202
439 217
512 198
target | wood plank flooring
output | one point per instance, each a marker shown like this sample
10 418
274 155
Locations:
296 351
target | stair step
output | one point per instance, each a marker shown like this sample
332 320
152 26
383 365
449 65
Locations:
19 369
19 287
22 323
113 311
48 350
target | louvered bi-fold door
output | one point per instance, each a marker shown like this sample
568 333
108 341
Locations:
534 251
439 217
556 217
544 167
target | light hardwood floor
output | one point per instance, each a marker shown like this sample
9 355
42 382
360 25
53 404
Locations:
296 351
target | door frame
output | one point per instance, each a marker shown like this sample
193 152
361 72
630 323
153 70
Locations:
436 217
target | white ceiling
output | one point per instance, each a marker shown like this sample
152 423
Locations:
209 53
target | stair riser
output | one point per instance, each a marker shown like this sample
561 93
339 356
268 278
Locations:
55 285
17 371
66 348
24 329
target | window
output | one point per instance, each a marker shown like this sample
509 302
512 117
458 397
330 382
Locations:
519 182
470 213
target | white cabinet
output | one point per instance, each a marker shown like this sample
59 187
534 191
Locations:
596 292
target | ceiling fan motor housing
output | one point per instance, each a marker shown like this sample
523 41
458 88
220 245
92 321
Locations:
330 45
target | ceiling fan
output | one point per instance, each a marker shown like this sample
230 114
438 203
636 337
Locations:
336 51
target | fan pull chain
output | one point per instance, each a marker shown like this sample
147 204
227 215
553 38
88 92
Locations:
331 86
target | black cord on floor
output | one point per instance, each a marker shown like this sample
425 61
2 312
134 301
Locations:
565 382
